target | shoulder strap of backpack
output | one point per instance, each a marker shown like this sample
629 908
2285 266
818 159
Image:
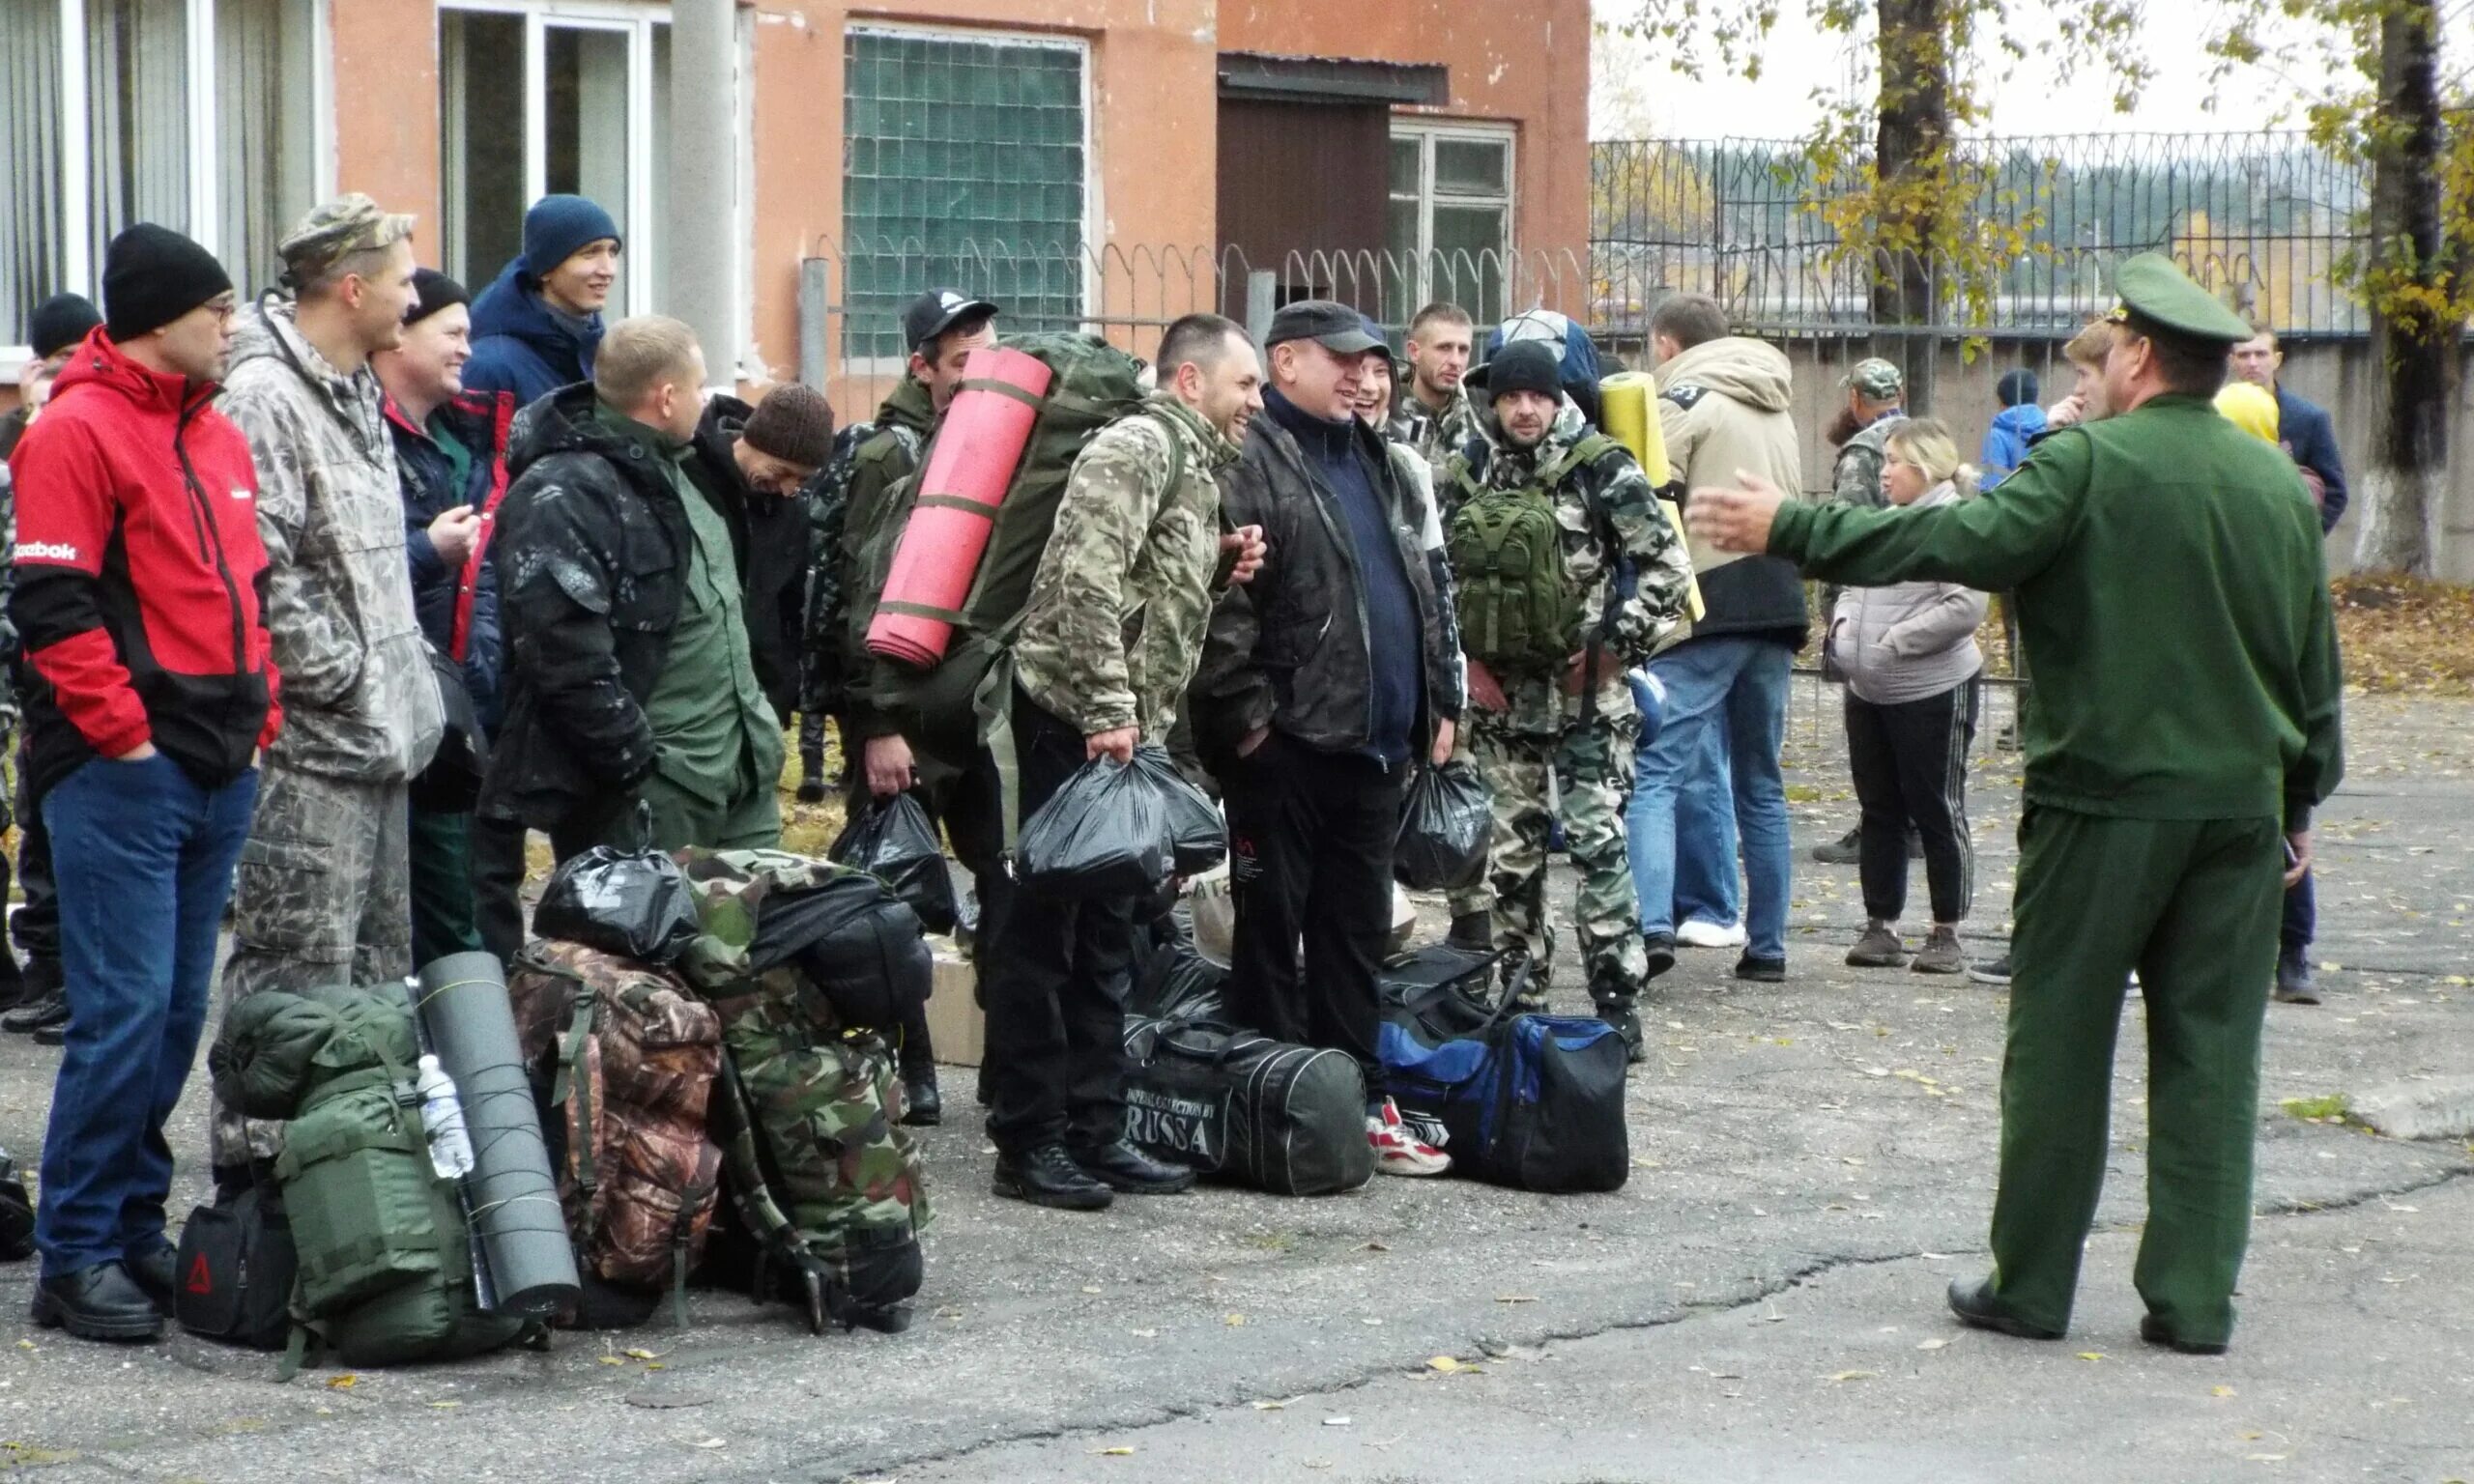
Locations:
1176 448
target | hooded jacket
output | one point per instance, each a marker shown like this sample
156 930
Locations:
361 698
458 606
1289 650
591 555
519 345
139 578
1722 406
2006 440
1908 641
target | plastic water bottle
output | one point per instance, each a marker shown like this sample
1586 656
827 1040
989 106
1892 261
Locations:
450 1148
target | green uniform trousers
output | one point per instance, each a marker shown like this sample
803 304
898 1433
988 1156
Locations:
444 918
2192 904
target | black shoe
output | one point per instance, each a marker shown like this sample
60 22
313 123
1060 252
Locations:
1762 971
1996 972
157 1273
51 1035
1847 849
2153 1330
40 1011
1659 949
923 1106
100 1302
1127 1170
1473 931
1628 1024
1973 1301
2294 983
1048 1176
811 790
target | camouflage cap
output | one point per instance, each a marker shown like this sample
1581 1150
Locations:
1878 379
337 228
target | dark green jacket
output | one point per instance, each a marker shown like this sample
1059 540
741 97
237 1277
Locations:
2173 603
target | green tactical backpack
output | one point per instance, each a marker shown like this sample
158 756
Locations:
1517 614
386 1273
808 1114
1094 383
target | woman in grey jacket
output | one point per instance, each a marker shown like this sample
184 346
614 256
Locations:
1915 685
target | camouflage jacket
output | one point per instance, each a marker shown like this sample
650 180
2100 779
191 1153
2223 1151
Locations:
360 699
1439 437
1613 530
1857 477
886 459
1123 595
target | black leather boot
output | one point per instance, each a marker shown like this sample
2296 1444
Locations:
1048 1176
1123 1168
102 1302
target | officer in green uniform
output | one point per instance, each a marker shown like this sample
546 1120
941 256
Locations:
2173 604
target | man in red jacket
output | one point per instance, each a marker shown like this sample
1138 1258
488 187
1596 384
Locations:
138 579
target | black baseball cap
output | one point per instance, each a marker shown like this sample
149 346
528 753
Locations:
1334 325
937 311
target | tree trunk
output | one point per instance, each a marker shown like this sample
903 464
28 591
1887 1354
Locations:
2402 495
1910 143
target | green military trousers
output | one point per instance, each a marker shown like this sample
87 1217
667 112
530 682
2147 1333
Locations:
1591 765
2193 905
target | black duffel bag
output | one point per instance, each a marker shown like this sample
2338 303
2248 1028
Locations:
1242 1108
857 942
236 1267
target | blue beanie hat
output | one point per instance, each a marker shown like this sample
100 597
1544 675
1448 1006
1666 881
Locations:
558 227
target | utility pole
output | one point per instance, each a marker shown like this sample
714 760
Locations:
697 253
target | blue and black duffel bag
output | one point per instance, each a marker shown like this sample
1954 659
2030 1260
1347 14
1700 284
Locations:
1531 1102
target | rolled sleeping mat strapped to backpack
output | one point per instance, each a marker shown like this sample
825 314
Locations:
461 1002
1631 399
971 463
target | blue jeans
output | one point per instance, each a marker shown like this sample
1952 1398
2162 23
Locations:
144 859
2301 922
1706 879
1735 687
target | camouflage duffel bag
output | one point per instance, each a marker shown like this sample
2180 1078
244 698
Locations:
808 1111
628 1057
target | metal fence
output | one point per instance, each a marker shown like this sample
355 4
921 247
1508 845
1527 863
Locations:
2264 218
852 294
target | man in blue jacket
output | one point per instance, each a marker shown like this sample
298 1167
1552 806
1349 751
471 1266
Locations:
535 328
2309 436
2014 427
450 456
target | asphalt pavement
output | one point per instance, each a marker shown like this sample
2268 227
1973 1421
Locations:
1812 1163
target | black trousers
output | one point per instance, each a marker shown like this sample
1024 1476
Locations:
1911 766
34 927
1310 850
1054 981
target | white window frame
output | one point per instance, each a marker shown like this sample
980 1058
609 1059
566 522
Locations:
636 20
204 225
883 366
1428 133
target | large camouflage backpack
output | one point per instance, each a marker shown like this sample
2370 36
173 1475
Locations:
626 1057
808 1109
385 1271
1093 385
1517 613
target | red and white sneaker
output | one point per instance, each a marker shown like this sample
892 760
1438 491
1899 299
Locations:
1397 1151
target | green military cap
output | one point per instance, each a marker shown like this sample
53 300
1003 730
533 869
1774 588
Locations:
2153 288
336 229
1877 378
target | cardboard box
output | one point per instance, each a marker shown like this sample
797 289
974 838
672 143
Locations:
955 1022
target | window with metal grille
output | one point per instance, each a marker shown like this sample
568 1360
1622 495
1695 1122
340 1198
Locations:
964 163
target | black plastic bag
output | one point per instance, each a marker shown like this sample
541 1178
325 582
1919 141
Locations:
857 944
17 1214
1104 834
1197 838
892 840
634 903
1445 825
1173 980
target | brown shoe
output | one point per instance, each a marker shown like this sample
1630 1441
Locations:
1878 949
1941 954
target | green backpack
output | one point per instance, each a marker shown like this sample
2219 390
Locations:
808 1114
1517 614
1093 385
385 1267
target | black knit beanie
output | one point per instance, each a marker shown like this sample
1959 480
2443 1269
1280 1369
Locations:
58 322
152 276
433 291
